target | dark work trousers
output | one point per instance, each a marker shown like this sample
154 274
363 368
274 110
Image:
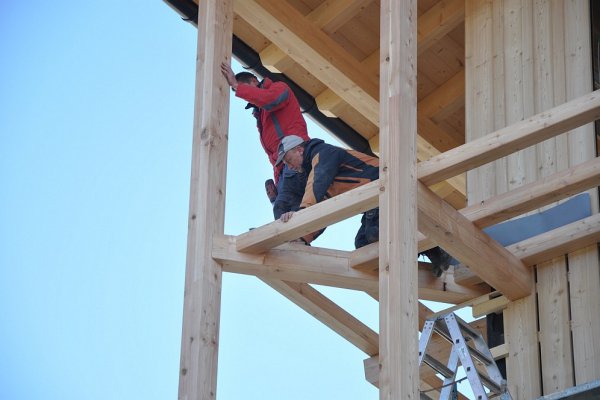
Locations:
290 190
369 228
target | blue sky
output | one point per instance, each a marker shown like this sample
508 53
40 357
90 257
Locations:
96 107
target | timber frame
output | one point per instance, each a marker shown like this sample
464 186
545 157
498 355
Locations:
480 111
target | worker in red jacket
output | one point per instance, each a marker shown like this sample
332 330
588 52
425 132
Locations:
277 114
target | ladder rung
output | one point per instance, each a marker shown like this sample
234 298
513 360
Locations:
490 384
443 332
480 356
467 328
438 366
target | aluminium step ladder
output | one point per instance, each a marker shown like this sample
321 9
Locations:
471 351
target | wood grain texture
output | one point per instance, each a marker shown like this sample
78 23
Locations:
202 297
398 300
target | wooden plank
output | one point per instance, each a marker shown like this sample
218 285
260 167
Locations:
366 258
520 332
304 264
500 351
310 219
568 238
295 263
496 54
584 269
202 297
398 281
438 21
554 326
504 141
584 276
446 99
322 308
552 286
523 369
467 243
534 195
549 245
329 15
491 306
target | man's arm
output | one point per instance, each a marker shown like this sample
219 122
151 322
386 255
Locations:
229 76
269 99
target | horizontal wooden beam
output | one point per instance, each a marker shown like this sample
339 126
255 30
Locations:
523 134
298 263
310 219
506 206
329 313
547 190
557 242
491 306
464 241
548 245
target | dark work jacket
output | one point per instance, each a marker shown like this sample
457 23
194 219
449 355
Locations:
332 170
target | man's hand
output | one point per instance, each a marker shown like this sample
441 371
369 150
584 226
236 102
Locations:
285 217
229 75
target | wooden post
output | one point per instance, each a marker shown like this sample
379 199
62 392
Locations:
202 298
398 301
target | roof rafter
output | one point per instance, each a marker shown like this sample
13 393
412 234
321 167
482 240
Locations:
328 16
438 21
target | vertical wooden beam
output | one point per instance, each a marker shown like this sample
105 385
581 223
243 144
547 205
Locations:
584 270
398 301
513 20
555 334
202 297
553 295
499 92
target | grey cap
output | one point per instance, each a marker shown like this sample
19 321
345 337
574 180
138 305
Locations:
287 143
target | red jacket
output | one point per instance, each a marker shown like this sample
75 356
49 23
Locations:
277 115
